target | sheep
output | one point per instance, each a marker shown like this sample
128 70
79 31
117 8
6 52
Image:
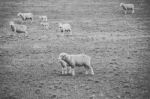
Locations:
45 24
127 7
18 28
65 67
65 28
77 60
43 18
26 16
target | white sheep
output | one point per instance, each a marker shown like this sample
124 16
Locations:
45 24
77 60
127 7
65 28
43 18
26 16
18 28
65 67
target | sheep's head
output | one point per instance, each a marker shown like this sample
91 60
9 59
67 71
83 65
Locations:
63 56
121 4
40 17
19 14
11 23
60 25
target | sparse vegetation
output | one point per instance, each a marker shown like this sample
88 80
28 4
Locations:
117 43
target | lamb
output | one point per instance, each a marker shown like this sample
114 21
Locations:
26 16
43 18
127 7
77 60
65 67
45 24
65 27
18 28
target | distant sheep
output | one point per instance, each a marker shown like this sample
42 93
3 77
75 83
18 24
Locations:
25 16
45 24
77 60
127 7
43 18
18 28
65 27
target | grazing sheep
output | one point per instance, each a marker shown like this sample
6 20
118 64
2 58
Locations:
77 60
26 16
45 24
43 18
18 28
65 27
127 7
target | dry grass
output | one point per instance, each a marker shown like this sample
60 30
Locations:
118 45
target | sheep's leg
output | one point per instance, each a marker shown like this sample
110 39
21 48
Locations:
63 72
92 72
87 69
133 11
73 72
31 19
26 33
70 70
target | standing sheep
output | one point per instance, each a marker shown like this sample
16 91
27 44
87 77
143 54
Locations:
77 60
18 28
26 16
45 24
43 18
65 28
127 7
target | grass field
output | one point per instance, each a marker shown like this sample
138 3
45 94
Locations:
118 44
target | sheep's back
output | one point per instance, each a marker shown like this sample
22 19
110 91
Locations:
81 59
21 28
66 26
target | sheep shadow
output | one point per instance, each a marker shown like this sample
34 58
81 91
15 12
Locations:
64 75
78 74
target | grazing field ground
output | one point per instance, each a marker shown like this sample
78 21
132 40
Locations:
118 44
